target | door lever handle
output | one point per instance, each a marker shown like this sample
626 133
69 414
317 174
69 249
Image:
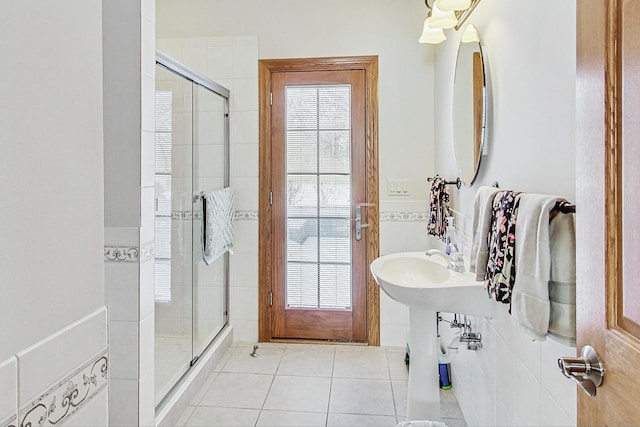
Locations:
358 219
587 370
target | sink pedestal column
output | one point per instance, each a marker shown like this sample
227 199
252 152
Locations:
423 399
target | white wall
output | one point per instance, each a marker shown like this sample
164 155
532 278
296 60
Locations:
52 316
225 39
129 188
530 54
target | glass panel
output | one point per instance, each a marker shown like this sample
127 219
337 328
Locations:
335 286
302 196
302 107
302 285
318 139
335 241
334 107
209 290
335 195
302 151
335 152
302 239
172 252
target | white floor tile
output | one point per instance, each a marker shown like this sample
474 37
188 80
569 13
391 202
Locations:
233 390
266 363
204 416
309 385
307 394
400 389
397 368
361 396
361 364
351 420
307 363
291 419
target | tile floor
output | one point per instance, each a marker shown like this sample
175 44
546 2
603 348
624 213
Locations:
309 385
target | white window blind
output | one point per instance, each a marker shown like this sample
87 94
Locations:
162 241
318 162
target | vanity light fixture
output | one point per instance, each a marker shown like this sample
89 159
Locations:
445 14
453 4
442 18
431 35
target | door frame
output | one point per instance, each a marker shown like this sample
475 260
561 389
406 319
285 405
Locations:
369 64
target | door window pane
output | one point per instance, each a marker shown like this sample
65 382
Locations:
318 159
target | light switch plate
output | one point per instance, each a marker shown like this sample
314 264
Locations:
398 187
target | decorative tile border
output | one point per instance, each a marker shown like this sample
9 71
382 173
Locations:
121 254
404 216
253 216
246 216
11 421
239 215
147 252
70 394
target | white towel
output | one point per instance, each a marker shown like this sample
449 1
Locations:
482 209
562 286
218 223
530 305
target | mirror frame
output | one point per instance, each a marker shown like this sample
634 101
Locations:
468 182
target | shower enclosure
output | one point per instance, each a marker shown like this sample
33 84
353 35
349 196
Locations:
192 156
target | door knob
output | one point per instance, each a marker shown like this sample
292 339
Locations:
587 370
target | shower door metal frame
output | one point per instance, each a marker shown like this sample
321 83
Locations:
176 67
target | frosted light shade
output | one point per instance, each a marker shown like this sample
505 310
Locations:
431 35
453 4
441 18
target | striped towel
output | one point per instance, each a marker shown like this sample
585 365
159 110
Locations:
562 285
218 223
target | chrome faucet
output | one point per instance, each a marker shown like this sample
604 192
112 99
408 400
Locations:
455 261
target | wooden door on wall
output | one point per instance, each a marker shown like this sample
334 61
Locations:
608 194
319 178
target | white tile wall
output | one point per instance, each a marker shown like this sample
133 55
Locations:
42 364
512 380
123 402
93 414
9 389
124 357
129 57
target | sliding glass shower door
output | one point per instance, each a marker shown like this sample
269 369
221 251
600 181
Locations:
191 158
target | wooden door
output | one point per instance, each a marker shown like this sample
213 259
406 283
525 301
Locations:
318 165
608 202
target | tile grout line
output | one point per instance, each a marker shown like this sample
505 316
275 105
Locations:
271 385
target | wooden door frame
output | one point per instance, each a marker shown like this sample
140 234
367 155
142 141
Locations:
369 64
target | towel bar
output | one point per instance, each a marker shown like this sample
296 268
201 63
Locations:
565 207
457 182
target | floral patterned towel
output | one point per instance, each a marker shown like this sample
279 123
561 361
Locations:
501 267
438 208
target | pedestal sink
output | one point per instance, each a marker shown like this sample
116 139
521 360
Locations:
427 286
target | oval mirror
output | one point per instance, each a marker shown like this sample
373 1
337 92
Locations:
469 105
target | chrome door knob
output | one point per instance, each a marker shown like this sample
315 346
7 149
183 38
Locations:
587 370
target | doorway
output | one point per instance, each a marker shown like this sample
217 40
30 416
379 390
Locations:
319 200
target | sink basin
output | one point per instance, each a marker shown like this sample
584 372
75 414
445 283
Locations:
427 286
414 279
